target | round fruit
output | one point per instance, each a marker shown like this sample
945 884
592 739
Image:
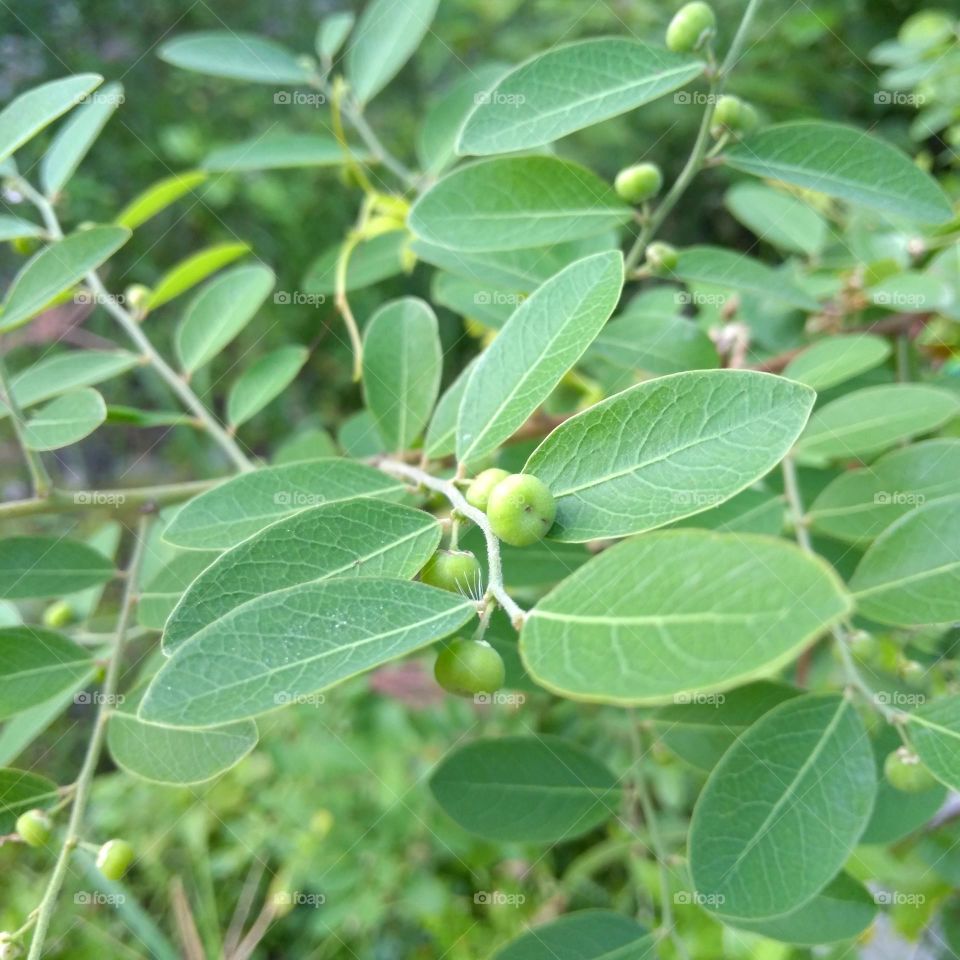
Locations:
136 296
9 950
58 614
469 667
734 114
692 24
478 493
521 509
639 183
114 858
662 257
454 570
34 828
25 246
903 770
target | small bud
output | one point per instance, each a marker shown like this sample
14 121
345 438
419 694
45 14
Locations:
639 183
692 25
58 614
662 257
34 827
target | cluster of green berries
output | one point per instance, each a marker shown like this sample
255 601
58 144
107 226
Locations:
520 510
113 858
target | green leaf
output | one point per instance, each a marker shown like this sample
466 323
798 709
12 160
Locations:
49 567
158 197
59 372
231 512
934 731
845 163
21 791
751 511
68 419
835 359
911 574
310 444
841 911
860 504
384 39
797 788
277 151
571 87
285 646
332 34
117 413
514 202
634 626
778 218
76 136
176 756
263 382
219 312
190 271
444 119
473 301
667 449
239 56
20 731
35 665
650 335
441 438
55 269
538 345
700 729
537 789
737 271
911 291
162 592
11 228
29 113
584 935
368 538
871 420
371 261
402 365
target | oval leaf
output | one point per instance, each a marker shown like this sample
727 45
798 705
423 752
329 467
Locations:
542 340
263 382
158 197
667 449
402 364
934 730
37 664
778 218
240 56
277 152
836 359
219 312
796 788
222 517
55 269
584 935
49 567
190 271
369 538
842 162
63 421
633 626
571 87
515 202
285 646
532 789
21 791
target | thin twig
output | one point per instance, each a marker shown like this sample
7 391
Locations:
39 478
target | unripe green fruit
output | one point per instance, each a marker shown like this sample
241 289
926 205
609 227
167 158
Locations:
58 614
454 570
469 667
136 296
639 183
478 493
114 858
662 257
34 828
24 245
521 510
690 27
903 770
9 950
734 114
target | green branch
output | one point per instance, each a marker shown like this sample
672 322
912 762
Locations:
40 479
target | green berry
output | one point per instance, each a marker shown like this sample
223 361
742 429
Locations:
734 115
639 183
114 858
521 509
58 614
34 828
903 770
662 257
136 296
9 950
469 667
24 246
454 570
691 26
478 493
